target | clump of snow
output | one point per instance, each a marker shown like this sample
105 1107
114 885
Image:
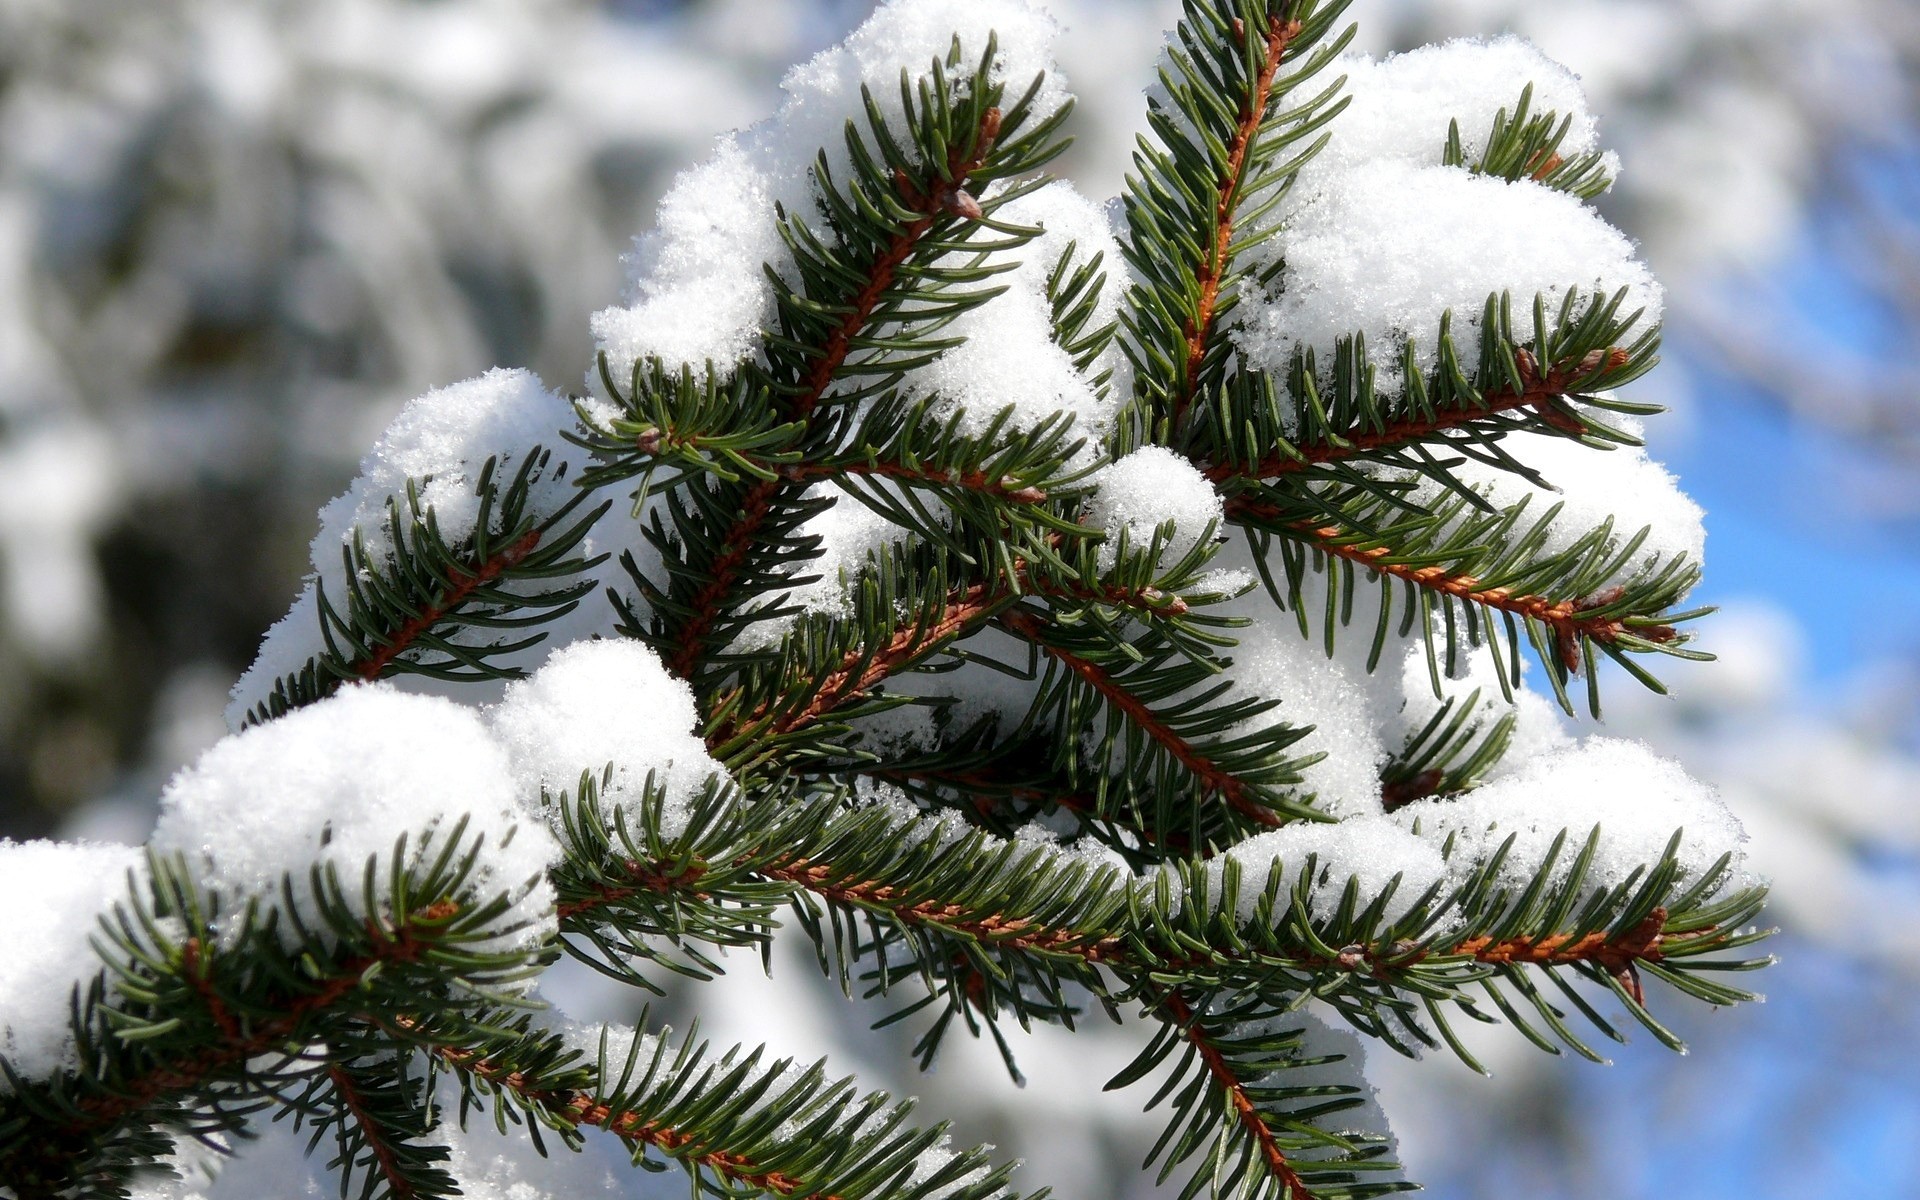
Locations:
1152 485
440 443
1636 799
53 894
443 439
1384 248
336 784
1399 107
600 704
699 292
1009 358
1334 1056
1333 696
696 293
1374 851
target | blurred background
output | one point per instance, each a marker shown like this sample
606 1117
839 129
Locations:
235 235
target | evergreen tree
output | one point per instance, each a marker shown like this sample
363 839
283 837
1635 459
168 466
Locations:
1053 624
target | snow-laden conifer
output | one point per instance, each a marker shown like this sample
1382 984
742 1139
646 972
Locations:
1053 619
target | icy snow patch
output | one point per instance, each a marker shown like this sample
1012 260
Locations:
1387 247
337 784
1399 107
1010 358
1150 486
440 442
1372 850
596 704
1636 799
53 894
698 291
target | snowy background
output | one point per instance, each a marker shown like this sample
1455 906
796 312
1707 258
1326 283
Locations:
235 235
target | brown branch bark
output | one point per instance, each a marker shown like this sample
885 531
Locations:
1569 620
1016 933
239 1039
581 1109
971 481
383 1152
1212 270
1236 1090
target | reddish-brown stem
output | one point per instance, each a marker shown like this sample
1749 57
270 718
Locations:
240 1042
734 549
862 670
458 590
971 481
581 1109
1569 620
383 1152
1536 391
1017 933
1210 774
1243 1106
1615 953
1396 796
757 504
1212 270
642 877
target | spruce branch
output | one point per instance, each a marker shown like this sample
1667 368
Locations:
902 212
1205 184
415 605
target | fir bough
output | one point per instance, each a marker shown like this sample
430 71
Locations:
1051 628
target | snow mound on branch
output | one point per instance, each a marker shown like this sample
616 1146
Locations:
440 444
1399 107
1009 358
336 784
53 894
1378 238
1635 799
443 440
1150 486
698 291
600 704
1387 246
1335 697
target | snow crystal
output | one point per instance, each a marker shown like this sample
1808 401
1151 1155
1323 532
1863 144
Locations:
1010 358
336 784
596 704
1323 1040
1150 486
444 438
1636 800
1373 851
1387 247
717 226
54 894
